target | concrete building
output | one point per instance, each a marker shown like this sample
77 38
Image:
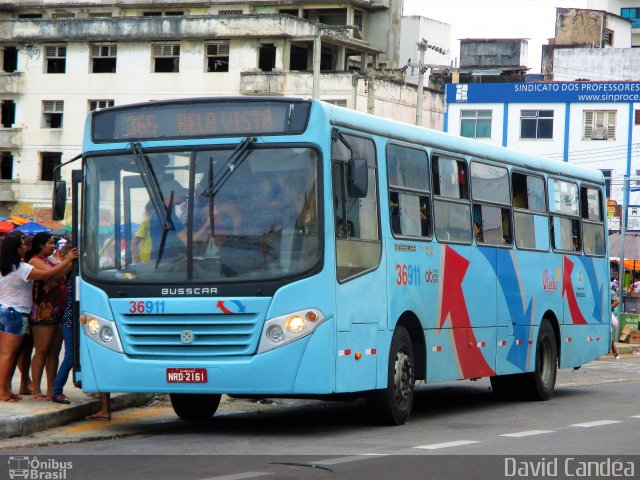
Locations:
629 9
590 44
490 60
595 124
63 58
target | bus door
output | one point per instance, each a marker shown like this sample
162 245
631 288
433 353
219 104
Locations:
76 182
360 292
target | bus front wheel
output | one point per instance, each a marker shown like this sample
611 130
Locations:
392 405
189 406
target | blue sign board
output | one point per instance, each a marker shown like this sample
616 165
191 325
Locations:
544 92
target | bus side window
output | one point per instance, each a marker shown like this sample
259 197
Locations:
409 191
451 208
491 204
593 231
530 219
358 245
564 206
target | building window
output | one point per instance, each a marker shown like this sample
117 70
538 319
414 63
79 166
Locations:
174 14
632 14
96 104
10 59
100 14
536 124
29 15
49 162
267 57
55 58
52 113
229 12
63 15
166 58
607 182
599 125
8 110
151 14
608 37
475 123
218 56
6 166
103 58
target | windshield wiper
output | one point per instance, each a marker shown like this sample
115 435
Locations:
153 187
163 212
237 157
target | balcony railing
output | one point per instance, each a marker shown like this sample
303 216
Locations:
10 138
11 82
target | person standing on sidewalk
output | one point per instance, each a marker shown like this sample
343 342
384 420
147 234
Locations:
48 307
67 336
614 323
16 289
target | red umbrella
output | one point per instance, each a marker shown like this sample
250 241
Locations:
6 226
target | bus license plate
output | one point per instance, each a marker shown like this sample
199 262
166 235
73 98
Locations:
186 375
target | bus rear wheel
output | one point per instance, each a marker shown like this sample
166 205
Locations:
392 405
539 384
191 406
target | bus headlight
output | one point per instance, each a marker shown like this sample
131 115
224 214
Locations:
275 333
106 334
295 324
93 326
101 331
284 329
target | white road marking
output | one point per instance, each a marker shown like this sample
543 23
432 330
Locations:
635 416
526 433
240 476
596 423
457 443
352 458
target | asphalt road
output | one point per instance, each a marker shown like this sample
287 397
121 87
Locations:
457 430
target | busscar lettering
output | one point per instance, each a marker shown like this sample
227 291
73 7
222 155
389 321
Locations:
189 291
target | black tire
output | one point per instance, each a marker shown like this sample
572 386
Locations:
539 384
392 405
189 406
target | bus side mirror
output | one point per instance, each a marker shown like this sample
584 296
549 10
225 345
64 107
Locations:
358 177
59 200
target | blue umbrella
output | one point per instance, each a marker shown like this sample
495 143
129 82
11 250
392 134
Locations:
31 228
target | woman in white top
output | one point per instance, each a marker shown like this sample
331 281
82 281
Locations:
16 283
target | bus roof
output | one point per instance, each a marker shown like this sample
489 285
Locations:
340 116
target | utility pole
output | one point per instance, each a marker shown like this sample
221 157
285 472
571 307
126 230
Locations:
317 48
623 231
422 45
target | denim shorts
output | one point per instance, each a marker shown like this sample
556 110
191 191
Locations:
13 322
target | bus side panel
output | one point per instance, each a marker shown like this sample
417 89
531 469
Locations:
361 300
442 357
581 344
316 373
355 374
516 309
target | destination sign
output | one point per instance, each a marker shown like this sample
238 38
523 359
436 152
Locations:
199 118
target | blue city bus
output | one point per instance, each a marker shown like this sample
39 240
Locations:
288 247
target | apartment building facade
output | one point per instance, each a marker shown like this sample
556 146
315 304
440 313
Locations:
61 59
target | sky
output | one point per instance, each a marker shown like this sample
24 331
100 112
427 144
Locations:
532 19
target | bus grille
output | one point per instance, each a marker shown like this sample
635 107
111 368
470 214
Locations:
189 335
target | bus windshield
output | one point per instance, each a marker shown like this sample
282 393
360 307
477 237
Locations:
164 222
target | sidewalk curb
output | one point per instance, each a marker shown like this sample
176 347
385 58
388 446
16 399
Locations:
22 425
627 348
